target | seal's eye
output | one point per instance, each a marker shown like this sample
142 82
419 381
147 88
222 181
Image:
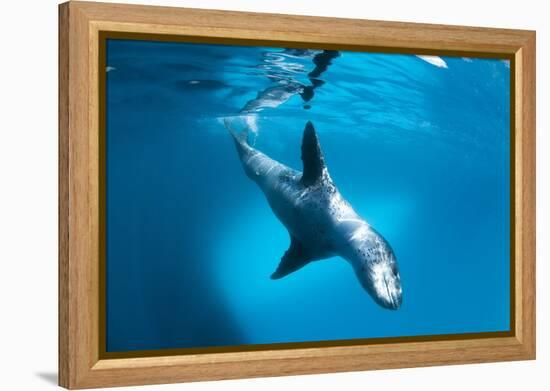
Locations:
393 268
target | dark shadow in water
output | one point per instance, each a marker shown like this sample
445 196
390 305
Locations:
322 62
285 85
162 291
48 377
182 67
201 84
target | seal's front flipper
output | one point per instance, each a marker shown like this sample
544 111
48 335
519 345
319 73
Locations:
312 157
295 258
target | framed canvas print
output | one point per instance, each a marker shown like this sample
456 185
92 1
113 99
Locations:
249 195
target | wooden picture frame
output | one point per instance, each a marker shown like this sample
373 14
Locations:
81 24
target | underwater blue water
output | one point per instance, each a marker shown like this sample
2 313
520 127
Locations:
419 147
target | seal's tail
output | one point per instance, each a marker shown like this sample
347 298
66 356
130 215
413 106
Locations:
239 137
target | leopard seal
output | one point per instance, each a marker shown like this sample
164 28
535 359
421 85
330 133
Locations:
320 222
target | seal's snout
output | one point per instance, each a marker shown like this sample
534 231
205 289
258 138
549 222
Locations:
394 297
386 285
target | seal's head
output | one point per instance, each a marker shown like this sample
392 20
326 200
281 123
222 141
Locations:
376 267
385 283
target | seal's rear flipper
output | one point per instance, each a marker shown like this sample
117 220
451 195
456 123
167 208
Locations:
295 258
239 137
